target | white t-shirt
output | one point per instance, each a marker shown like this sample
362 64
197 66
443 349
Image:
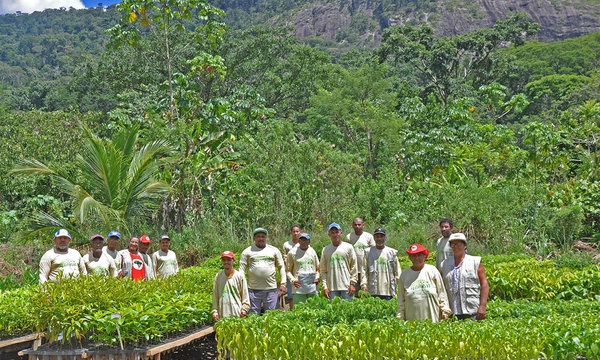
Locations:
114 255
230 295
261 265
422 295
382 271
70 264
302 262
338 267
103 265
360 243
165 264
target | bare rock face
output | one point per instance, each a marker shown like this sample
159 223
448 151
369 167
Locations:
325 20
559 19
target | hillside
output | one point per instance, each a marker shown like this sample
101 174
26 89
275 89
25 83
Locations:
41 51
362 21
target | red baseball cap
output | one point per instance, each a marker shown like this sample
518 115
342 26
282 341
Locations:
228 254
145 239
417 248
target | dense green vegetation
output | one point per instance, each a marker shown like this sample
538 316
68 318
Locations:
183 125
264 130
516 327
82 308
366 329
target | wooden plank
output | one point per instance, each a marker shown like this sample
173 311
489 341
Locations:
26 338
180 342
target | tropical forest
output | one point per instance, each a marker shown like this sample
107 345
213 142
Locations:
205 120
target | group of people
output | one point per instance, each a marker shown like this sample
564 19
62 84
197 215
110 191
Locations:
132 262
457 286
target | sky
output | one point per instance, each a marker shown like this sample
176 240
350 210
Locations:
29 6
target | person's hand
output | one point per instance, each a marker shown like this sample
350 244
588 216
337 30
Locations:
282 290
481 312
297 283
317 280
216 317
327 293
445 316
351 290
121 274
243 313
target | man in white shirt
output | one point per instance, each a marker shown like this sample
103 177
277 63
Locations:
338 266
361 240
444 250
230 291
382 268
112 248
261 260
61 261
165 260
96 261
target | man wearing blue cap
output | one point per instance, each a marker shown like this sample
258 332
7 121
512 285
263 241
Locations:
61 261
112 248
303 269
339 273
261 261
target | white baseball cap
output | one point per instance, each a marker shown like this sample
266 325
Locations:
62 232
458 236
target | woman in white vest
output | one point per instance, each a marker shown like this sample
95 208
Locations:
465 281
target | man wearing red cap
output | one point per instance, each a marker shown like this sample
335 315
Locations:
230 290
96 261
421 291
145 243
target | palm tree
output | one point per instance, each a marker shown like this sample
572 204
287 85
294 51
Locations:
114 186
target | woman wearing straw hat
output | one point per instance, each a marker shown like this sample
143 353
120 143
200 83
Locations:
465 280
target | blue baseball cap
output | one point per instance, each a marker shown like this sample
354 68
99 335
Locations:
304 235
62 232
334 225
114 234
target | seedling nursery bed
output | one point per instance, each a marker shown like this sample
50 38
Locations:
167 349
